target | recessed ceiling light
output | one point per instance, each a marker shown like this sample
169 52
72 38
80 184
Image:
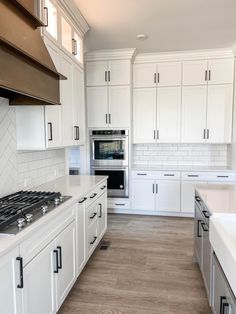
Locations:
142 36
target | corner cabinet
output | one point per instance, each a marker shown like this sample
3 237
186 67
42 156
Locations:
44 127
108 89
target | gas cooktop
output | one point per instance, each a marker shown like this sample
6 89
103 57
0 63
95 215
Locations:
19 210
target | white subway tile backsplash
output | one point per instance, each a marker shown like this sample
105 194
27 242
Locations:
180 154
22 170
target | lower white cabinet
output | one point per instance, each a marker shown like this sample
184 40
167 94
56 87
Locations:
187 195
160 195
10 295
102 214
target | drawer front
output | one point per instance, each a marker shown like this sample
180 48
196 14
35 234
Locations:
194 176
92 213
118 203
156 175
92 238
96 193
45 234
222 177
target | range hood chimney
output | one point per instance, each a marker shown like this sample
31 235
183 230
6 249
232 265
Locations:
27 73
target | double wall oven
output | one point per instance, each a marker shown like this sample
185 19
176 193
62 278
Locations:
109 154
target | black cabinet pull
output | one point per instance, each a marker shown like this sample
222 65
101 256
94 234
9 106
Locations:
208 133
50 138
153 188
198 225
141 174
60 257
203 227
197 198
169 175
102 188
209 77
204 134
206 214
109 76
74 47
106 118
21 285
154 134
157 135
100 210
76 127
193 175
46 15
206 75
95 194
155 78
105 76
94 215
56 253
83 200
109 116
225 305
117 204
222 299
222 176
94 239
158 77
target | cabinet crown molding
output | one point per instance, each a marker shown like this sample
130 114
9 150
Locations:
110 54
77 18
184 55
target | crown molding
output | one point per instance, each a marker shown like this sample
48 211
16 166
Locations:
184 55
110 54
76 16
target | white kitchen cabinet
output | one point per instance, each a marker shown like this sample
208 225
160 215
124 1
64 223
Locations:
66 246
168 196
10 296
66 34
101 73
119 106
193 114
144 115
169 74
102 214
143 195
187 195
144 75
221 71
219 113
97 106
78 105
153 75
38 291
168 114
108 107
50 18
194 72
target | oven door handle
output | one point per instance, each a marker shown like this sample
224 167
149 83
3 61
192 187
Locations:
110 169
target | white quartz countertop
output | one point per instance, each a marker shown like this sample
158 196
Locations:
218 198
76 186
182 168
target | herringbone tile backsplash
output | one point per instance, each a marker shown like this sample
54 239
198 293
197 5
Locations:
23 170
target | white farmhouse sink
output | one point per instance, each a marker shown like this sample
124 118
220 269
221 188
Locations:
223 241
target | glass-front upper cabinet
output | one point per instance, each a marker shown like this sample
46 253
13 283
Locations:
66 35
77 49
51 18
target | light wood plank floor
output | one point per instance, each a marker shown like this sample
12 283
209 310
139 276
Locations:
147 269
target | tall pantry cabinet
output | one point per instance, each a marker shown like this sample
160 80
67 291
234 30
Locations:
108 88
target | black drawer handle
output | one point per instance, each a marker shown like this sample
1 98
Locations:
94 215
117 204
21 285
224 306
222 176
203 227
198 224
57 267
193 175
206 214
95 194
103 187
83 200
169 175
222 299
60 257
94 240
141 174
100 210
197 198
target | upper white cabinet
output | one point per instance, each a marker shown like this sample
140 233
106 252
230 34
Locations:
161 74
156 115
50 17
115 72
66 34
108 82
202 72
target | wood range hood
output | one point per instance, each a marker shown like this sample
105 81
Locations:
27 73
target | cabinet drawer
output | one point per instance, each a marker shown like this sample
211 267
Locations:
92 214
194 176
221 177
156 175
92 238
40 238
92 196
119 203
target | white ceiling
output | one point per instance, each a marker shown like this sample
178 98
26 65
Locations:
171 25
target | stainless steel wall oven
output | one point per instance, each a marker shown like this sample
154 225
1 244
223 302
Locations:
109 155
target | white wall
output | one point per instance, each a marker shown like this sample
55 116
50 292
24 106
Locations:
23 170
180 154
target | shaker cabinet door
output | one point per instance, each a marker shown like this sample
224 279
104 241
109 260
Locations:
168 196
143 195
221 71
96 73
195 72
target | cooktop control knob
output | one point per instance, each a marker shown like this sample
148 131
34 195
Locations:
56 201
61 198
44 209
29 217
20 222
